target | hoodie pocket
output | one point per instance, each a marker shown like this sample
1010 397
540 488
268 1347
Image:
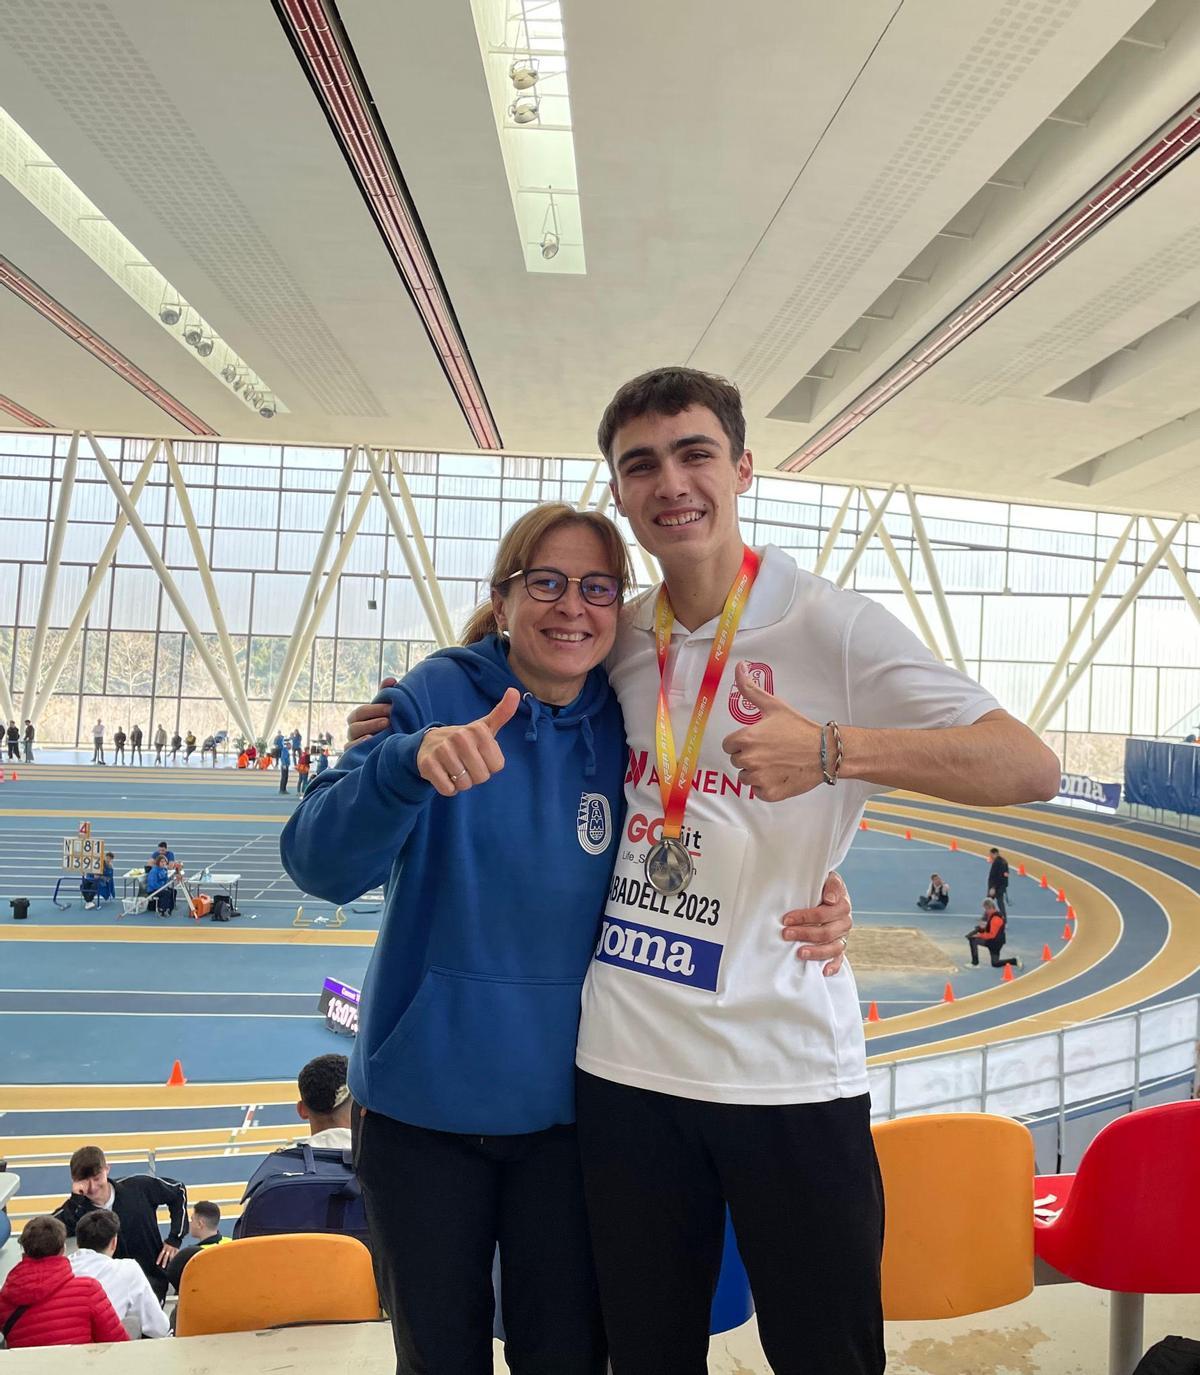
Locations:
476 1053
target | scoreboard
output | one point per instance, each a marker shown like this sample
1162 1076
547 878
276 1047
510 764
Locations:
83 854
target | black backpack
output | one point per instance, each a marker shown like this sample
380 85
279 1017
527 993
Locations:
300 1189
1171 1356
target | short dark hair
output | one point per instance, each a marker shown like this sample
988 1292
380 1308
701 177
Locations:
207 1212
993 851
668 391
319 1082
43 1236
96 1229
87 1162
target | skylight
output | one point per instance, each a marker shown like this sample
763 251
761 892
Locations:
525 62
48 188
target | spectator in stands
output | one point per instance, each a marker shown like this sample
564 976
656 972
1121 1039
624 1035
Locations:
13 736
136 1201
160 744
990 933
325 1102
322 763
937 896
98 742
205 1229
44 1303
135 745
296 741
119 738
251 754
998 880
276 746
176 742
285 761
30 735
209 747
303 765
128 1289
190 743
159 887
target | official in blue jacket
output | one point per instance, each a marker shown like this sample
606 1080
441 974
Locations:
491 810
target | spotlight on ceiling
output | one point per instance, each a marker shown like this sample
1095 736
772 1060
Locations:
266 407
524 73
193 334
549 244
525 110
170 313
229 373
205 347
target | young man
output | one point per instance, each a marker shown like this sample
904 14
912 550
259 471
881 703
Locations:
998 880
936 897
160 742
135 744
98 742
44 1303
205 1230
30 736
325 1102
714 1070
136 1201
127 1287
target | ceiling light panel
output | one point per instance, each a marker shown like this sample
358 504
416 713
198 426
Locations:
48 189
525 62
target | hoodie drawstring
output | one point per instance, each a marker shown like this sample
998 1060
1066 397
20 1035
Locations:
535 710
589 740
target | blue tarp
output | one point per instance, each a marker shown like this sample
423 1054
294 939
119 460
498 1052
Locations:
1158 774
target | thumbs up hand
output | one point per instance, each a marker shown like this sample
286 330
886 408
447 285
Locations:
455 758
779 756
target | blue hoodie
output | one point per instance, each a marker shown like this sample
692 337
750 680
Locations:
470 1010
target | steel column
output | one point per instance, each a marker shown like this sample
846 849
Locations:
164 576
935 581
1125 1332
1109 626
305 637
588 487
50 578
440 633
99 573
210 591
835 529
910 596
1189 592
1110 567
865 536
312 588
418 534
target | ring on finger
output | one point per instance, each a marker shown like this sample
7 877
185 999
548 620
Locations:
845 944
454 777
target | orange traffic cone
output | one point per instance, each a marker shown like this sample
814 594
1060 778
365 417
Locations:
1021 870
862 825
1 775
1067 932
175 1079
1046 954
1070 914
948 996
1062 896
14 776
954 844
873 1013
1045 881
1007 976
907 835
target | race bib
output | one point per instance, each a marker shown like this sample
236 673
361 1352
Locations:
682 937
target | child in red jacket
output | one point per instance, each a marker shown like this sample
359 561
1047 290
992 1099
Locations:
44 1303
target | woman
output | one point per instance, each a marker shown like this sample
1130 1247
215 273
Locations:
463 1067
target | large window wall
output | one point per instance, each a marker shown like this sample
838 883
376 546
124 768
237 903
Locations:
1015 578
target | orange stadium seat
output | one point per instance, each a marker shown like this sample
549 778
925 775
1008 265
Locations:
958 1198
259 1282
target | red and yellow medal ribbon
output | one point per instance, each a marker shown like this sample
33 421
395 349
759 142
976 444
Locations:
675 774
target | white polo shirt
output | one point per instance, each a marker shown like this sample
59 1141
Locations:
127 1288
699 995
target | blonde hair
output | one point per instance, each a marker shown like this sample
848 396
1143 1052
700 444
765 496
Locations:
519 544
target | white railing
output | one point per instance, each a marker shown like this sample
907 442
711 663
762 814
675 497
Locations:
1047 1073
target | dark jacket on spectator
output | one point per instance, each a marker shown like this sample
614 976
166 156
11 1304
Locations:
136 1201
62 1308
179 1264
998 873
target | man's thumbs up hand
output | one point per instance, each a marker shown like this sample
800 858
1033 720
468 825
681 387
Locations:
455 758
780 755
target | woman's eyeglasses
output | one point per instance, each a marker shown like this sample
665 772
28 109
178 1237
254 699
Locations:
550 584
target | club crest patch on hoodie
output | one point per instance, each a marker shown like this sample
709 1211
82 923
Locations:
593 824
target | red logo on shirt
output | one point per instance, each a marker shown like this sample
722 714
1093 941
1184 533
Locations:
742 710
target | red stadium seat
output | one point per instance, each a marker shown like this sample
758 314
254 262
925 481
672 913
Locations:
1129 1217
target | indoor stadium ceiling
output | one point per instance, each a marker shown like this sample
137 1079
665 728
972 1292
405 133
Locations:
794 196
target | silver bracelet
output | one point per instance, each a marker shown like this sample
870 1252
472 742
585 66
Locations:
830 775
